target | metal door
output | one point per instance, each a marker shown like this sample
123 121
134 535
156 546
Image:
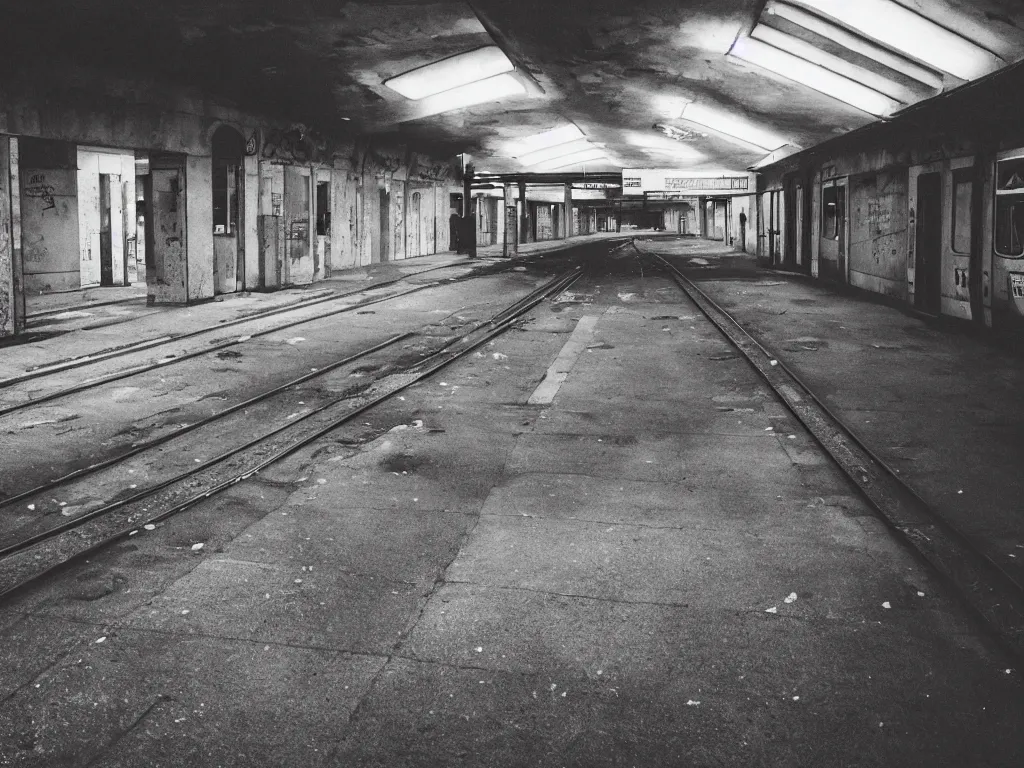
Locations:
928 244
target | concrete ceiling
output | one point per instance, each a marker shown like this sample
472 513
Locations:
613 67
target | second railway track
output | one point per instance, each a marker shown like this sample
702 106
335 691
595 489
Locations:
60 390
44 542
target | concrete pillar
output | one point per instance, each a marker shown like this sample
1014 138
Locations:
468 244
199 226
250 235
567 217
12 292
524 218
511 239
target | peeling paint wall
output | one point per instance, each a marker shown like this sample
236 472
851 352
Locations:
7 277
199 225
878 232
166 238
250 222
49 221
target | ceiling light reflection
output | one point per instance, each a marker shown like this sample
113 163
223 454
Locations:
453 72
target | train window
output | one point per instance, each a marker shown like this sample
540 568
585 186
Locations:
833 211
1010 174
1010 225
963 190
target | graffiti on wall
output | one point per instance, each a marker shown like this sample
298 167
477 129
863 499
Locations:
384 163
433 172
291 146
37 187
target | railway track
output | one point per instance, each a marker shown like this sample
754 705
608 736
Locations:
987 589
42 543
33 376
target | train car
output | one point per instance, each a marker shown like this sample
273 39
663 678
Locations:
926 208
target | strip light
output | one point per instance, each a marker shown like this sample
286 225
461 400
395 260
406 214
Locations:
855 43
840 66
454 72
585 156
551 153
561 135
731 127
813 76
492 89
915 35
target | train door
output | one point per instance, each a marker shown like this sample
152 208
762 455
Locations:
957 245
926 205
774 228
832 233
803 230
790 239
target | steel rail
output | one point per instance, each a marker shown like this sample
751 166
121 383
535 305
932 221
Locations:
163 363
128 349
986 588
141 447
33 556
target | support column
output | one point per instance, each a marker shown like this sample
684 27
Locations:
524 218
511 234
567 218
12 290
468 241
618 217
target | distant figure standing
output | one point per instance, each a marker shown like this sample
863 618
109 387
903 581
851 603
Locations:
455 231
743 230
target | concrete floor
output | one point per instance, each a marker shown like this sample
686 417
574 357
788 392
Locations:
657 567
943 408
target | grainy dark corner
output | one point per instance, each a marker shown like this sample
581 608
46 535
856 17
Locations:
412 383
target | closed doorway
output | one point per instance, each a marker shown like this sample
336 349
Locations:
928 244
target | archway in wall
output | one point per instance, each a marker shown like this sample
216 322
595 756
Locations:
228 243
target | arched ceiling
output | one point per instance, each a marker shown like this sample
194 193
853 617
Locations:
620 70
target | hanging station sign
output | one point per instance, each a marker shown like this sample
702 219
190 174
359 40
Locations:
646 181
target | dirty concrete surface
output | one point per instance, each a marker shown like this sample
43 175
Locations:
939 404
651 565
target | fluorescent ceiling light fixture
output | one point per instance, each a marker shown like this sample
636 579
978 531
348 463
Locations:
911 33
731 127
815 55
559 150
444 75
855 43
561 135
585 156
813 76
492 89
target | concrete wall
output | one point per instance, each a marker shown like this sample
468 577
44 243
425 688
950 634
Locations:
276 236
11 314
49 220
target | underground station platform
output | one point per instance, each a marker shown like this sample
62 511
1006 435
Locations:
635 501
478 383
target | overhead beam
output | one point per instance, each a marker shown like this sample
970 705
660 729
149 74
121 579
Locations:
609 177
